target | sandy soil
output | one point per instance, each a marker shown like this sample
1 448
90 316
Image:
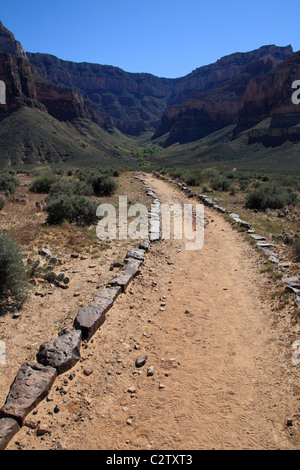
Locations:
223 376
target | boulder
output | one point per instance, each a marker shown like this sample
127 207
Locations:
131 271
62 353
144 245
8 428
136 254
89 319
32 384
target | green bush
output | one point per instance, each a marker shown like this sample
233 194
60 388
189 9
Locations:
220 184
270 196
13 282
192 178
81 188
43 182
8 183
100 181
71 208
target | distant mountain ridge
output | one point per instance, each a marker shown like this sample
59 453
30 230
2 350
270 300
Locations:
249 91
135 102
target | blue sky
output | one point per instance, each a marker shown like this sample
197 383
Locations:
168 38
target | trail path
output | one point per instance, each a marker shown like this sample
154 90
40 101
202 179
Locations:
222 359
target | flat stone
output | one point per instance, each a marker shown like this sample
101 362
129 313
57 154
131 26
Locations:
144 245
265 245
239 221
131 271
45 252
136 253
257 237
89 319
62 353
30 386
154 236
9 427
292 281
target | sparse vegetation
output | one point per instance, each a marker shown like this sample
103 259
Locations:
8 183
43 182
270 196
13 283
101 182
71 208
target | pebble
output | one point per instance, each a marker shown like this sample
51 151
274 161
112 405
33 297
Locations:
150 371
42 430
140 361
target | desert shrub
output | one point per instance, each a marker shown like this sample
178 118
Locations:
209 173
270 196
43 182
104 185
8 183
192 178
101 183
71 208
81 188
61 186
13 282
244 182
2 202
230 175
220 184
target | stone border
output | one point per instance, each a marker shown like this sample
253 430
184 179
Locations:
292 283
34 380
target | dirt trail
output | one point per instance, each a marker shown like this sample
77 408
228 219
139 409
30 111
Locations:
222 360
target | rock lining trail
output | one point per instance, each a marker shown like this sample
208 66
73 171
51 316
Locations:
221 374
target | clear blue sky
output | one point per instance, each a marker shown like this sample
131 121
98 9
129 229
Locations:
168 38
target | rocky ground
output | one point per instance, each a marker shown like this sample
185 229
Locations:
217 374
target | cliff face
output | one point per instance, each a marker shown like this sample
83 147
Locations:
9 44
15 72
271 94
131 102
135 103
261 90
251 91
63 103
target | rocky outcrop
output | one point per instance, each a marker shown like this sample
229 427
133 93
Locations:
61 102
135 102
268 101
131 102
212 110
9 44
15 72
261 90
31 385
